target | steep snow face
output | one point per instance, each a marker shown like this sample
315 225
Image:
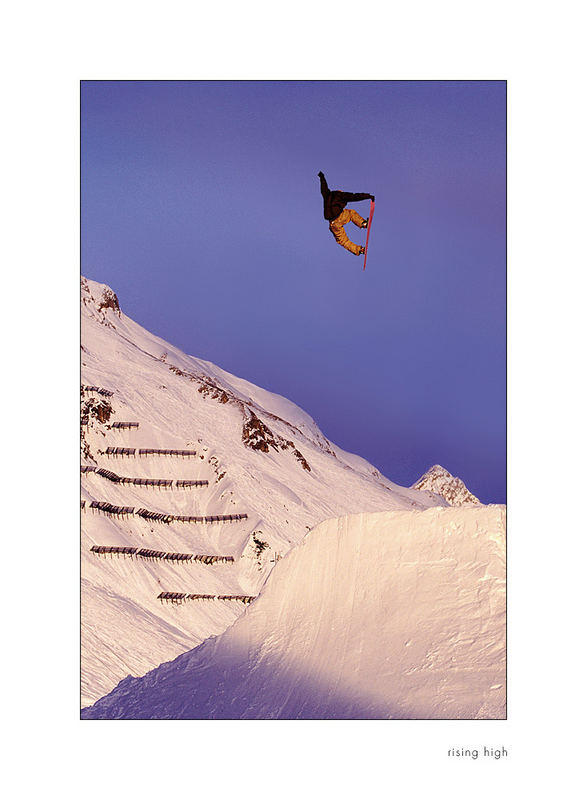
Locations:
253 452
439 481
395 615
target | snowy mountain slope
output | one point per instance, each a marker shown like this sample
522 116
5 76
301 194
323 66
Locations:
382 615
262 457
441 482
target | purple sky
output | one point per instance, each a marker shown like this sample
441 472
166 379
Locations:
201 209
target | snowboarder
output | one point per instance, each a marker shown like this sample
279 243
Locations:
338 216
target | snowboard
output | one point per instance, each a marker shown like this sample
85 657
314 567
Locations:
371 210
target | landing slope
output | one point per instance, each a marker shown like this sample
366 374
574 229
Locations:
392 615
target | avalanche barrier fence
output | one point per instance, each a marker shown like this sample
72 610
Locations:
108 508
161 555
112 550
150 451
97 390
157 516
120 451
153 482
180 597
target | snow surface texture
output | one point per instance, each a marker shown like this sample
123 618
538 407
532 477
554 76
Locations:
439 480
261 455
395 615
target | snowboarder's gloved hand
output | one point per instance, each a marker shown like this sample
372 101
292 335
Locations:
373 197
320 174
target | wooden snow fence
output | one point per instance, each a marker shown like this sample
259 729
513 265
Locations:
182 557
150 451
171 597
201 597
214 559
154 482
88 468
211 518
120 451
124 425
100 549
179 597
158 554
83 505
151 555
154 516
185 484
243 598
161 555
177 557
112 476
97 390
108 508
157 483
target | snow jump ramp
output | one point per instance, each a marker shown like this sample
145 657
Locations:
392 615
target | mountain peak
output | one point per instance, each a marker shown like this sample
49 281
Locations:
98 298
440 481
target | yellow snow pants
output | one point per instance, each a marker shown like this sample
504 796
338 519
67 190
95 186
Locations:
337 229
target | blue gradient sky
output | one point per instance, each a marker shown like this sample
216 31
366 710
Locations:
201 208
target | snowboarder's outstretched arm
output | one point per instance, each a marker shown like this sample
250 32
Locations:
350 197
346 197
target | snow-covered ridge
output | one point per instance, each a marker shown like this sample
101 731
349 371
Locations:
261 456
441 482
395 615
97 299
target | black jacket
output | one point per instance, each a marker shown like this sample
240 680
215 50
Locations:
334 202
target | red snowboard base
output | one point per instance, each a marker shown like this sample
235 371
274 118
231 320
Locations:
371 210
